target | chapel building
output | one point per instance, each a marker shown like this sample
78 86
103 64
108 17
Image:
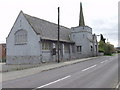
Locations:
33 40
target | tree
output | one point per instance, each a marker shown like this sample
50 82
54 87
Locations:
109 49
102 46
106 48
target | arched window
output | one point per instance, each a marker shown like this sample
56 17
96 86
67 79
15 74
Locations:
20 37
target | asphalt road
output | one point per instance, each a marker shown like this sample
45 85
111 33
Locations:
97 73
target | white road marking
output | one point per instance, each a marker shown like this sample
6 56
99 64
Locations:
89 67
104 61
54 82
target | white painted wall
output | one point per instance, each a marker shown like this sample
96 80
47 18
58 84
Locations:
32 48
81 36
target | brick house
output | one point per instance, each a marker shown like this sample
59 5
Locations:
2 52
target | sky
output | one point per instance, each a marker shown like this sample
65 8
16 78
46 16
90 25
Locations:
100 15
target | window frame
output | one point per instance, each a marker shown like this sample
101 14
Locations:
45 45
79 49
20 37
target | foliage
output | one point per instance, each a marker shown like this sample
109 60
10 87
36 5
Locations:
106 48
109 49
101 46
118 51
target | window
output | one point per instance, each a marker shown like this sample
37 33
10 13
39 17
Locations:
20 37
96 47
45 45
79 48
91 48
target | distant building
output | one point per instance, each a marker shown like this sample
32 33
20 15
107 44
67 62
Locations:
33 40
2 52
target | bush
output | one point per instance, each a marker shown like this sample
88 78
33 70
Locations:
118 51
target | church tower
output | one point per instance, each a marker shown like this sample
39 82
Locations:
82 36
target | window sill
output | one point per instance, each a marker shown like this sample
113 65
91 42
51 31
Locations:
46 51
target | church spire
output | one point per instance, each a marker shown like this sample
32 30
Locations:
81 17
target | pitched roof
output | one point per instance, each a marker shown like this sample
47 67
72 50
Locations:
48 30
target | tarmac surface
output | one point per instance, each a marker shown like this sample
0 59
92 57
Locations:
12 72
94 72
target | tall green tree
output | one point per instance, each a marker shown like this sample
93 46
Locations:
106 48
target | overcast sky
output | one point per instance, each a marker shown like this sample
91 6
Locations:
100 15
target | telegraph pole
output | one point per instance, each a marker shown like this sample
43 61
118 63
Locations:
58 33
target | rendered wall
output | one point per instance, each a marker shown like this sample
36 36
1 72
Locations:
24 53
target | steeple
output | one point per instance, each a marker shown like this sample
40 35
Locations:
81 17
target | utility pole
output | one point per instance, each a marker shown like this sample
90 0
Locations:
58 33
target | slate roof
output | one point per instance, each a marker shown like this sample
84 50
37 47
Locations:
48 30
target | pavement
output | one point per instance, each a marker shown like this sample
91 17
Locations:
18 71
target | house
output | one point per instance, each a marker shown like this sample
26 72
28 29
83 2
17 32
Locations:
2 52
33 40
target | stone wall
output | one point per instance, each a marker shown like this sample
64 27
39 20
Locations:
23 60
